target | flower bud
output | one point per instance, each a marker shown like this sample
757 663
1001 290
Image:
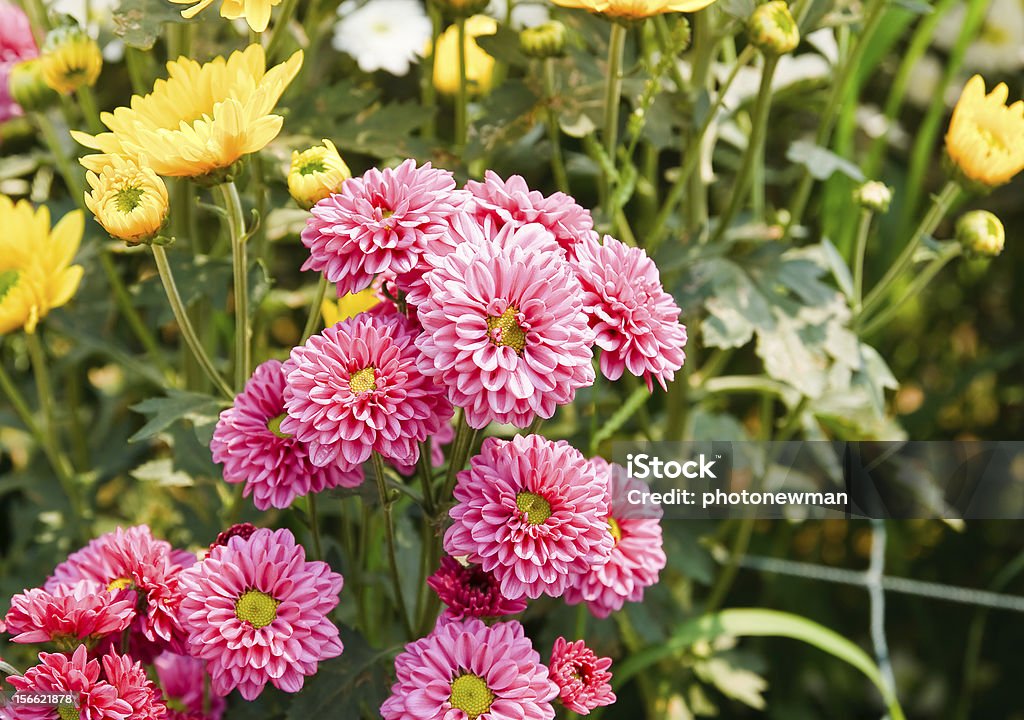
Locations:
71 59
462 8
316 173
773 29
874 196
28 88
980 233
544 41
128 199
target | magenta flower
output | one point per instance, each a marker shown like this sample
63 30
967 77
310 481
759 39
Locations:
469 591
71 615
511 202
129 678
242 530
355 389
635 320
97 698
132 559
469 670
636 559
274 466
380 222
256 612
504 328
531 511
181 677
582 677
16 44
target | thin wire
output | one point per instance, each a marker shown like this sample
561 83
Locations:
876 593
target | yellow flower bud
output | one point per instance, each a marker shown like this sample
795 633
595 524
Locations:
316 173
71 59
28 88
873 195
985 142
773 29
981 233
128 199
544 41
462 8
479 65
349 305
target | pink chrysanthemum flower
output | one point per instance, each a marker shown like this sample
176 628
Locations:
467 670
129 678
636 322
71 615
442 437
132 559
256 612
274 466
637 557
181 677
470 591
531 511
355 389
582 677
380 222
504 328
511 202
97 698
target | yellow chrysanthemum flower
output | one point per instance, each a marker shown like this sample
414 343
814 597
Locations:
349 305
479 65
70 59
36 274
255 12
316 173
634 9
128 199
202 119
985 141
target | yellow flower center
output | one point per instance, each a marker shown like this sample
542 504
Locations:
471 695
614 529
256 608
364 380
128 198
274 426
120 583
68 712
311 166
503 330
8 279
537 509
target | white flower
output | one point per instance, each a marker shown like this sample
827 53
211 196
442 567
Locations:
383 34
999 46
525 14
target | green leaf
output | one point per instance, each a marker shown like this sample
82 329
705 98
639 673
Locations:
504 46
757 622
822 163
165 411
140 22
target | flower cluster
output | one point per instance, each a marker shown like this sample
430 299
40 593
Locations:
252 611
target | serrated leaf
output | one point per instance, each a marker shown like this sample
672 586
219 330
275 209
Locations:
140 22
503 46
177 405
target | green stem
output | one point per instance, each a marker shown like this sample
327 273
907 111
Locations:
90 112
612 100
314 526
873 18
240 267
943 201
428 93
134 59
73 178
462 95
185 325
426 473
691 159
863 228
457 459
280 30
554 136
389 533
755 148
913 290
314 311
